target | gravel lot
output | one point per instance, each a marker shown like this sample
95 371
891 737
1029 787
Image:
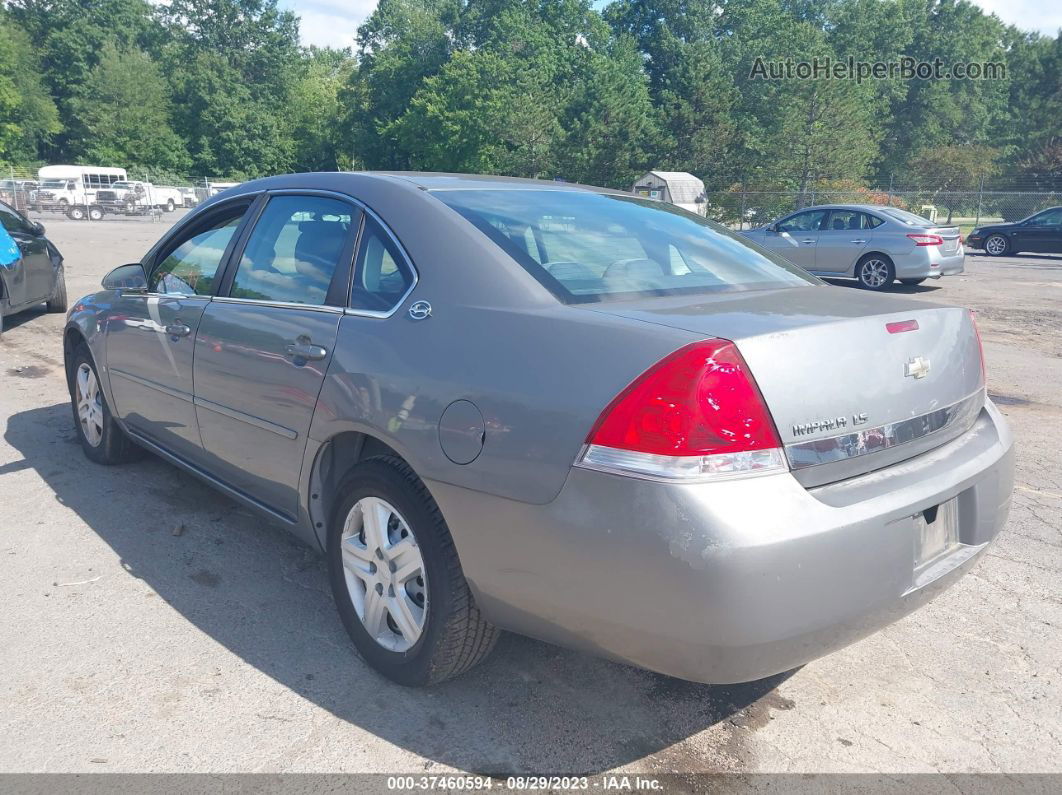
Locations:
128 648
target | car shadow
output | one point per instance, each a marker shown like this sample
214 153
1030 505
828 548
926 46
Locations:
12 322
250 586
896 287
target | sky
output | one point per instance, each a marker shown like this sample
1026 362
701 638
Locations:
333 22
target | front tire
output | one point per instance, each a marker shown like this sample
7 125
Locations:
997 245
102 440
397 581
875 272
58 301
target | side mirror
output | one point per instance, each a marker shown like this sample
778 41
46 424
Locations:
126 277
37 227
772 228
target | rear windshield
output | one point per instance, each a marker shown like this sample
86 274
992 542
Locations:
591 247
905 217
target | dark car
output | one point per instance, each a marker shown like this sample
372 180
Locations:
35 278
1040 232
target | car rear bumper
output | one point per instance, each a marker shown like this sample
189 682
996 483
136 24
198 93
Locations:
728 581
929 262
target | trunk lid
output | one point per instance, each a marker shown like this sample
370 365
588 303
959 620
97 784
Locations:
847 395
950 236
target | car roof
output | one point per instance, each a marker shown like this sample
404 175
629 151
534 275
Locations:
426 180
861 207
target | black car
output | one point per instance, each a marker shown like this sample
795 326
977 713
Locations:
1041 232
37 277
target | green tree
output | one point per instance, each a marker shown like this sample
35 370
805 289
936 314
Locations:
232 65
28 116
68 37
123 114
315 113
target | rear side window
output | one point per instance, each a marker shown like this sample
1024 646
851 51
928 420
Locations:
848 220
904 217
381 274
191 268
587 246
295 248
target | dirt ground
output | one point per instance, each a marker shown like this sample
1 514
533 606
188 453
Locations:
125 647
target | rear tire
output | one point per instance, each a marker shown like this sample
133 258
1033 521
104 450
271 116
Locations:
170 206
875 272
102 440
58 302
997 245
452 636
95 213
912 282
76 213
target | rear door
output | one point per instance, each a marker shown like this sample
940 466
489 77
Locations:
796 237
265 343
842 241
149 336
1042 232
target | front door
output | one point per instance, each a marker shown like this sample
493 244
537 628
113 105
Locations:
842 240
1042 232
32 279
796 237
263 348
150 337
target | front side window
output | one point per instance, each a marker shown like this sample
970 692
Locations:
192 267
1049 218
586 246
810 221
381 275
13 221
294 250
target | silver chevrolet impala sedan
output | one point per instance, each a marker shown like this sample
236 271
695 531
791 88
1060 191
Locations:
872 244
562 411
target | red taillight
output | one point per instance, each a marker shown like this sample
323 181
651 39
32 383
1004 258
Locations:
697 412
980 346
927 240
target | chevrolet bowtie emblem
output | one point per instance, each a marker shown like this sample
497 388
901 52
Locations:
916 367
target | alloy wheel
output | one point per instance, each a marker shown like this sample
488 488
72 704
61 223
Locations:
996 245
89 405
384 573
874 273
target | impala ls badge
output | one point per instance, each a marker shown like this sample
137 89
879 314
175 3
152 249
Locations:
916 368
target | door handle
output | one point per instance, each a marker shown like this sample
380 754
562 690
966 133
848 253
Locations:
178 329
857 241
305 350
807 241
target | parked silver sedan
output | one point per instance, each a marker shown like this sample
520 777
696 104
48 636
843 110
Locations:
562 411
873 244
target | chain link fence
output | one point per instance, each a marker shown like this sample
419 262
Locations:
97 194
749 202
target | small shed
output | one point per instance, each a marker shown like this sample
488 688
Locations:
680 188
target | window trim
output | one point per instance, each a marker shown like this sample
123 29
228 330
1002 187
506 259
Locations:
377 313
335 299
